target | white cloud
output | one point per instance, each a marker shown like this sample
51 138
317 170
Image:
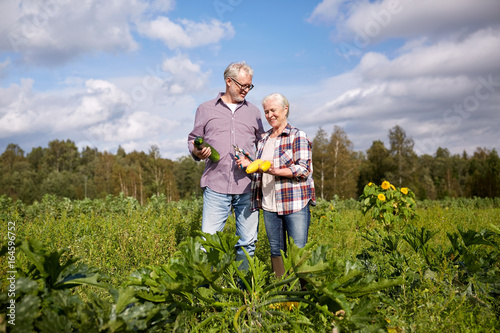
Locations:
10 11
367 22
15 109
100 102
476 53
162 6
136 126
437 91
186 76
326 11
105 114
186 33
23 111
54 32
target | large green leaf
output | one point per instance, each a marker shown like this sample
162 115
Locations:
26 311
123 297
75 275
483 237
48 264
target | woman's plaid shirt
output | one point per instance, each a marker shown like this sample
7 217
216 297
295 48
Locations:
292 150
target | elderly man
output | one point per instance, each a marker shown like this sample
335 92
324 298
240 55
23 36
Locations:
229 120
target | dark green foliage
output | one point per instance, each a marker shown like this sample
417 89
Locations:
477 258
44 300
153 276
198 285
339 172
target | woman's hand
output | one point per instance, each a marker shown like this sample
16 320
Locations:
284 172
271 170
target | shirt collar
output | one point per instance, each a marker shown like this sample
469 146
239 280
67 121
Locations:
219 99
286 131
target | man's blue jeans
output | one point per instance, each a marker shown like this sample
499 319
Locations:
296 225
216 208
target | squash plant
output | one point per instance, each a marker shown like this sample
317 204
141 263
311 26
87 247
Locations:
199 287
43 292
202 281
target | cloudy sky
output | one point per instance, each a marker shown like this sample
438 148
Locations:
131 73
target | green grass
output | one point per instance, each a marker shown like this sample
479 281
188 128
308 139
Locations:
118 236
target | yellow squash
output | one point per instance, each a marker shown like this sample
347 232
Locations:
254 166
265 166
257 165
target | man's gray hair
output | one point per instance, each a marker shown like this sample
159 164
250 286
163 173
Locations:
234 69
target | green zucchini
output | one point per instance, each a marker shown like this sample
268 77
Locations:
199 142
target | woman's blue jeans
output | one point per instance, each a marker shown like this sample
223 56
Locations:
294 225
216 209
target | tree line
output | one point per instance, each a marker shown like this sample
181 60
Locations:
339 172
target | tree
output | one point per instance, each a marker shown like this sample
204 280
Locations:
320 156
104 175
447 172
484 178
157 169
493 174
61 184
425 188
378 164
136 175
187 174
36 159
15 173
460 166
171 191
441 172
62 155
343 171
89 158
405 159
12 155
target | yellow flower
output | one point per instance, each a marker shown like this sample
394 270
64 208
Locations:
284 306
381 197
392 186
404 190
370 184
386 185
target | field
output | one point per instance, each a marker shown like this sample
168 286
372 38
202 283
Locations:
140 269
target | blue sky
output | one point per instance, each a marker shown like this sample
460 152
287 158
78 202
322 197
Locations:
130 73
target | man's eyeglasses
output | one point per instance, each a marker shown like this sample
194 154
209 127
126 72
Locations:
243 87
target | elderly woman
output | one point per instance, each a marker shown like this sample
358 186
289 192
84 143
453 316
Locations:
285 191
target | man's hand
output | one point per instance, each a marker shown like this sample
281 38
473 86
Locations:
202 154
243 161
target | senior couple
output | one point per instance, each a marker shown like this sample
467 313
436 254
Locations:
284 192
